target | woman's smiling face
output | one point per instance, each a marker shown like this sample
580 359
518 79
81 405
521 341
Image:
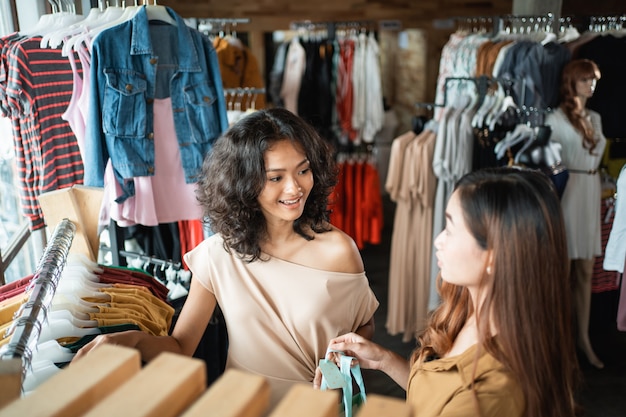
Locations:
288 182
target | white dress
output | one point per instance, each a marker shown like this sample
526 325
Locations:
582 196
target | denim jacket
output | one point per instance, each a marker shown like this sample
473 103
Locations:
124 83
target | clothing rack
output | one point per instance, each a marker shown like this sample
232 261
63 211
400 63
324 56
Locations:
522 24
330 27
243 90
151 260
308 24
427 105
607 23
242 98
26 329
482 82
476 24
215 25
510 23
224 20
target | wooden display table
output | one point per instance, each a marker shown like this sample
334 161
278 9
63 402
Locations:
111 382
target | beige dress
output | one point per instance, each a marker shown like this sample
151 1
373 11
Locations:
582 196
411 185
279 315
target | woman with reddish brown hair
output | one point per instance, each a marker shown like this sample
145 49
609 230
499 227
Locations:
500 343
579 131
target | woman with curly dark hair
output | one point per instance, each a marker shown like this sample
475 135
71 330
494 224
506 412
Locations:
579 131
500 342
285 279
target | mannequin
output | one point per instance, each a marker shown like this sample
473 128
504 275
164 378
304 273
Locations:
579 131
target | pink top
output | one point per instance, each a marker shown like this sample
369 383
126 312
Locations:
164 197
73 115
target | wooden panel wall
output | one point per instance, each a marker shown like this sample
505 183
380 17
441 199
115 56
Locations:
433 20
269 15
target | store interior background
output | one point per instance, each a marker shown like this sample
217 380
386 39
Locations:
411 35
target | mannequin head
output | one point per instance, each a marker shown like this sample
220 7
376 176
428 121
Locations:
578 81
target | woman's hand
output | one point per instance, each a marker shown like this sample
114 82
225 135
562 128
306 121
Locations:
369 355
128 338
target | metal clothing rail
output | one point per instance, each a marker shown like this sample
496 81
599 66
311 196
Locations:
244 90
150 259
482 83
309 24
224 20
509 23
25 330
214 24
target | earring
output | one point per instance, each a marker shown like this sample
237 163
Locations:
488 270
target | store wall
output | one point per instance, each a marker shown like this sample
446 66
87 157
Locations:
426 26
409 74
268 15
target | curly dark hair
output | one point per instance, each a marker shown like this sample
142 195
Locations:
233 176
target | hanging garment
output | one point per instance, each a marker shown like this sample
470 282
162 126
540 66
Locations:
161 57
601 279
238 66
411 184
615 253
37 86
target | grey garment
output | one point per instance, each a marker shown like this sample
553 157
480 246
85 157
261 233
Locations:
276 75
537 67
552 60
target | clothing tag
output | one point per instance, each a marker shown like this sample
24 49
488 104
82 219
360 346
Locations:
333 376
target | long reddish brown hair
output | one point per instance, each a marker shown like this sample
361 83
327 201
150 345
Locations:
574 71
516 214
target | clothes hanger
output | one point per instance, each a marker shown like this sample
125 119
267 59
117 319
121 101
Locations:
76 305
82 290
107 18
418 123
520 133
56 38
79 311
67 315
113 16
507 103
51 350
83 260
50 22
89 280
38 373
60 328
159 13
529 153
174 284
489 101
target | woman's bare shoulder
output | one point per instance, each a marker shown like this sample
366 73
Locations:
336 251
